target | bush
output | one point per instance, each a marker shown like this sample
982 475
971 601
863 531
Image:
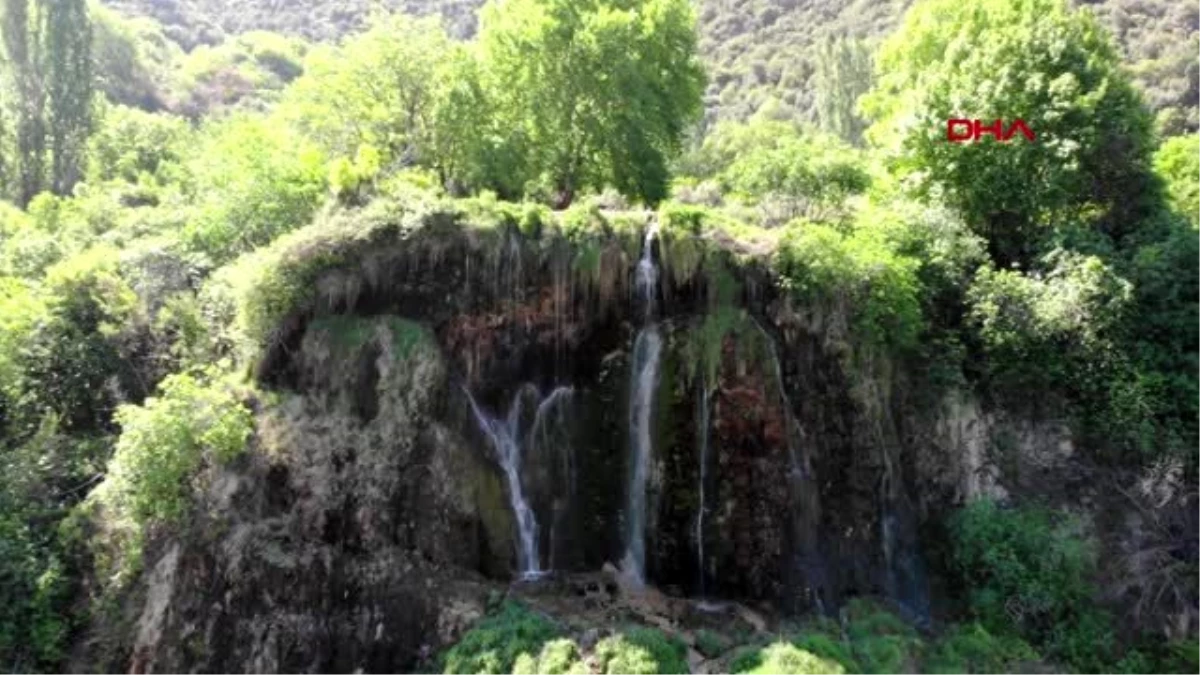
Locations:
194 420
496 643
1029 571
711 644
557 657
859 273
640 651
972 649
1178 165
134 146
254 181
85 344
783 658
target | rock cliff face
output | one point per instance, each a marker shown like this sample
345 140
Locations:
789 467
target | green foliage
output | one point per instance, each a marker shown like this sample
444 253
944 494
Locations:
68 42
1177 163
84 343
138 147
972 649
711 643
843 75
1029 571
134 60
881 641
593 94
376 93
957 60
245 72
782 657
789 172
1037 330
859 273
254 181
558 657
193 421
638 650
495 644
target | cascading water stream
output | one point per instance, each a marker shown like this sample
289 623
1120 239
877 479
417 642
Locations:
802 485
510 443
702 418
647 350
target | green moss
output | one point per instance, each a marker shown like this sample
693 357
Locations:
350 333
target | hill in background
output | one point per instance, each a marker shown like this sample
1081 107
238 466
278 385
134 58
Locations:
758 52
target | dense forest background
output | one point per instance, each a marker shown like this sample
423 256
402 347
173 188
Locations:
183 181
756 51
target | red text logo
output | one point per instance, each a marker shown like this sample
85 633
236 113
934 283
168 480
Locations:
961 131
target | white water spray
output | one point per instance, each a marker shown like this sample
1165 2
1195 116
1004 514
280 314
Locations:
647 350
509 442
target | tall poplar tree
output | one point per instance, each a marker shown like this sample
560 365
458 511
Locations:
69 79
22 50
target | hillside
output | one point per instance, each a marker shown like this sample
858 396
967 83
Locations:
755 50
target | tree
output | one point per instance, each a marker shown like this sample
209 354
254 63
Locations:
1034 60
22 47
1177 163
69 76
377 89
601 90
48 49
843 75
789 171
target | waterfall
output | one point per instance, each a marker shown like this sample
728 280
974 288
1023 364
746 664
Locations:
647 350
803 487
702 418
510 444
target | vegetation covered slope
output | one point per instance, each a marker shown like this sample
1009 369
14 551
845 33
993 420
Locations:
148 258
773 53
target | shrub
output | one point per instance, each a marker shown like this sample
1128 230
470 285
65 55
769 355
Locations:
711 644
84 345
782 658
558 657
1029 570
972 649
194 420
254 181
640 650
496 643
859 273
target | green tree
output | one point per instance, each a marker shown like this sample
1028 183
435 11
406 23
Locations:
69 78
601 91
377 89
23 53
254 180
843 75
1177 163
1035 60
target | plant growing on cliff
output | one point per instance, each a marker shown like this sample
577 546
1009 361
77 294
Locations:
195 419
497 642
1029 571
